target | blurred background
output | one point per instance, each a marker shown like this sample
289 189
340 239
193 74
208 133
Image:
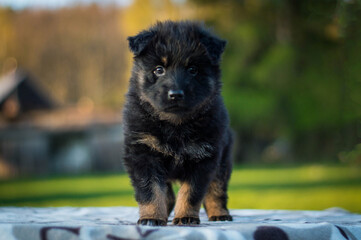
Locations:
292 85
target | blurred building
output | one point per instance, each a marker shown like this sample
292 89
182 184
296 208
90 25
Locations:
19 94
39 137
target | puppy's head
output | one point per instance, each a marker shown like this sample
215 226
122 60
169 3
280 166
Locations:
176 67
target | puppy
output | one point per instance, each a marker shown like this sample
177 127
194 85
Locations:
176 126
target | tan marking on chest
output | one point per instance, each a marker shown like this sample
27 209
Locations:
196 150
153 142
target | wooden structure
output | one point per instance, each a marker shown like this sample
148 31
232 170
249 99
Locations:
19 94
38 137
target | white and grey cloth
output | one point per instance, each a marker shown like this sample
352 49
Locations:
118 223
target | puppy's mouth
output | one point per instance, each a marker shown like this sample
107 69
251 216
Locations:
175 109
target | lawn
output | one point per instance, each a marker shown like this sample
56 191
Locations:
312 187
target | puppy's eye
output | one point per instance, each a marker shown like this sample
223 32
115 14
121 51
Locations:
159 71
193 70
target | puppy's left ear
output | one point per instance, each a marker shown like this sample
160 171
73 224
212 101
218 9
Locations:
214 45
138 43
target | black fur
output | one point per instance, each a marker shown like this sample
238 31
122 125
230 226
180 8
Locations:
186 139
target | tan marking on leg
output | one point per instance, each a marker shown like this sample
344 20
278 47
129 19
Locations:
182 207
212 200
157 208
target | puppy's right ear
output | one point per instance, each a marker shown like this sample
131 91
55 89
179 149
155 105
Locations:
139 42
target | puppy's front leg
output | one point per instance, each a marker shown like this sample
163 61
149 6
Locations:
189 199
153 210
187 205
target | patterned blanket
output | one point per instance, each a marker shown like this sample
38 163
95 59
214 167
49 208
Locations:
118 223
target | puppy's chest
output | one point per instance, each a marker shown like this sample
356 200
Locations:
181 144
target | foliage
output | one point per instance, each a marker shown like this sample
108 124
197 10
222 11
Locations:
74 53
352 157
313 187
292 71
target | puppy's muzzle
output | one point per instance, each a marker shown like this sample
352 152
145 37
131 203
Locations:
175 95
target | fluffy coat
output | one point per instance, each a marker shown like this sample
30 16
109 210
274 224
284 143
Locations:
175 124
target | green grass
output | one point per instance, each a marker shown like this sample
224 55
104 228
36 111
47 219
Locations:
312 187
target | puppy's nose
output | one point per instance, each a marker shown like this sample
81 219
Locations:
175 94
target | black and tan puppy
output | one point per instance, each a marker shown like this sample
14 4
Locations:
176 125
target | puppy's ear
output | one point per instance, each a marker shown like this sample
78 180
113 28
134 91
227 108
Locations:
214 46
139 42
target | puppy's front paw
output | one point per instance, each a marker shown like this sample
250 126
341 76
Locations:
151 222
186 221
221 218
